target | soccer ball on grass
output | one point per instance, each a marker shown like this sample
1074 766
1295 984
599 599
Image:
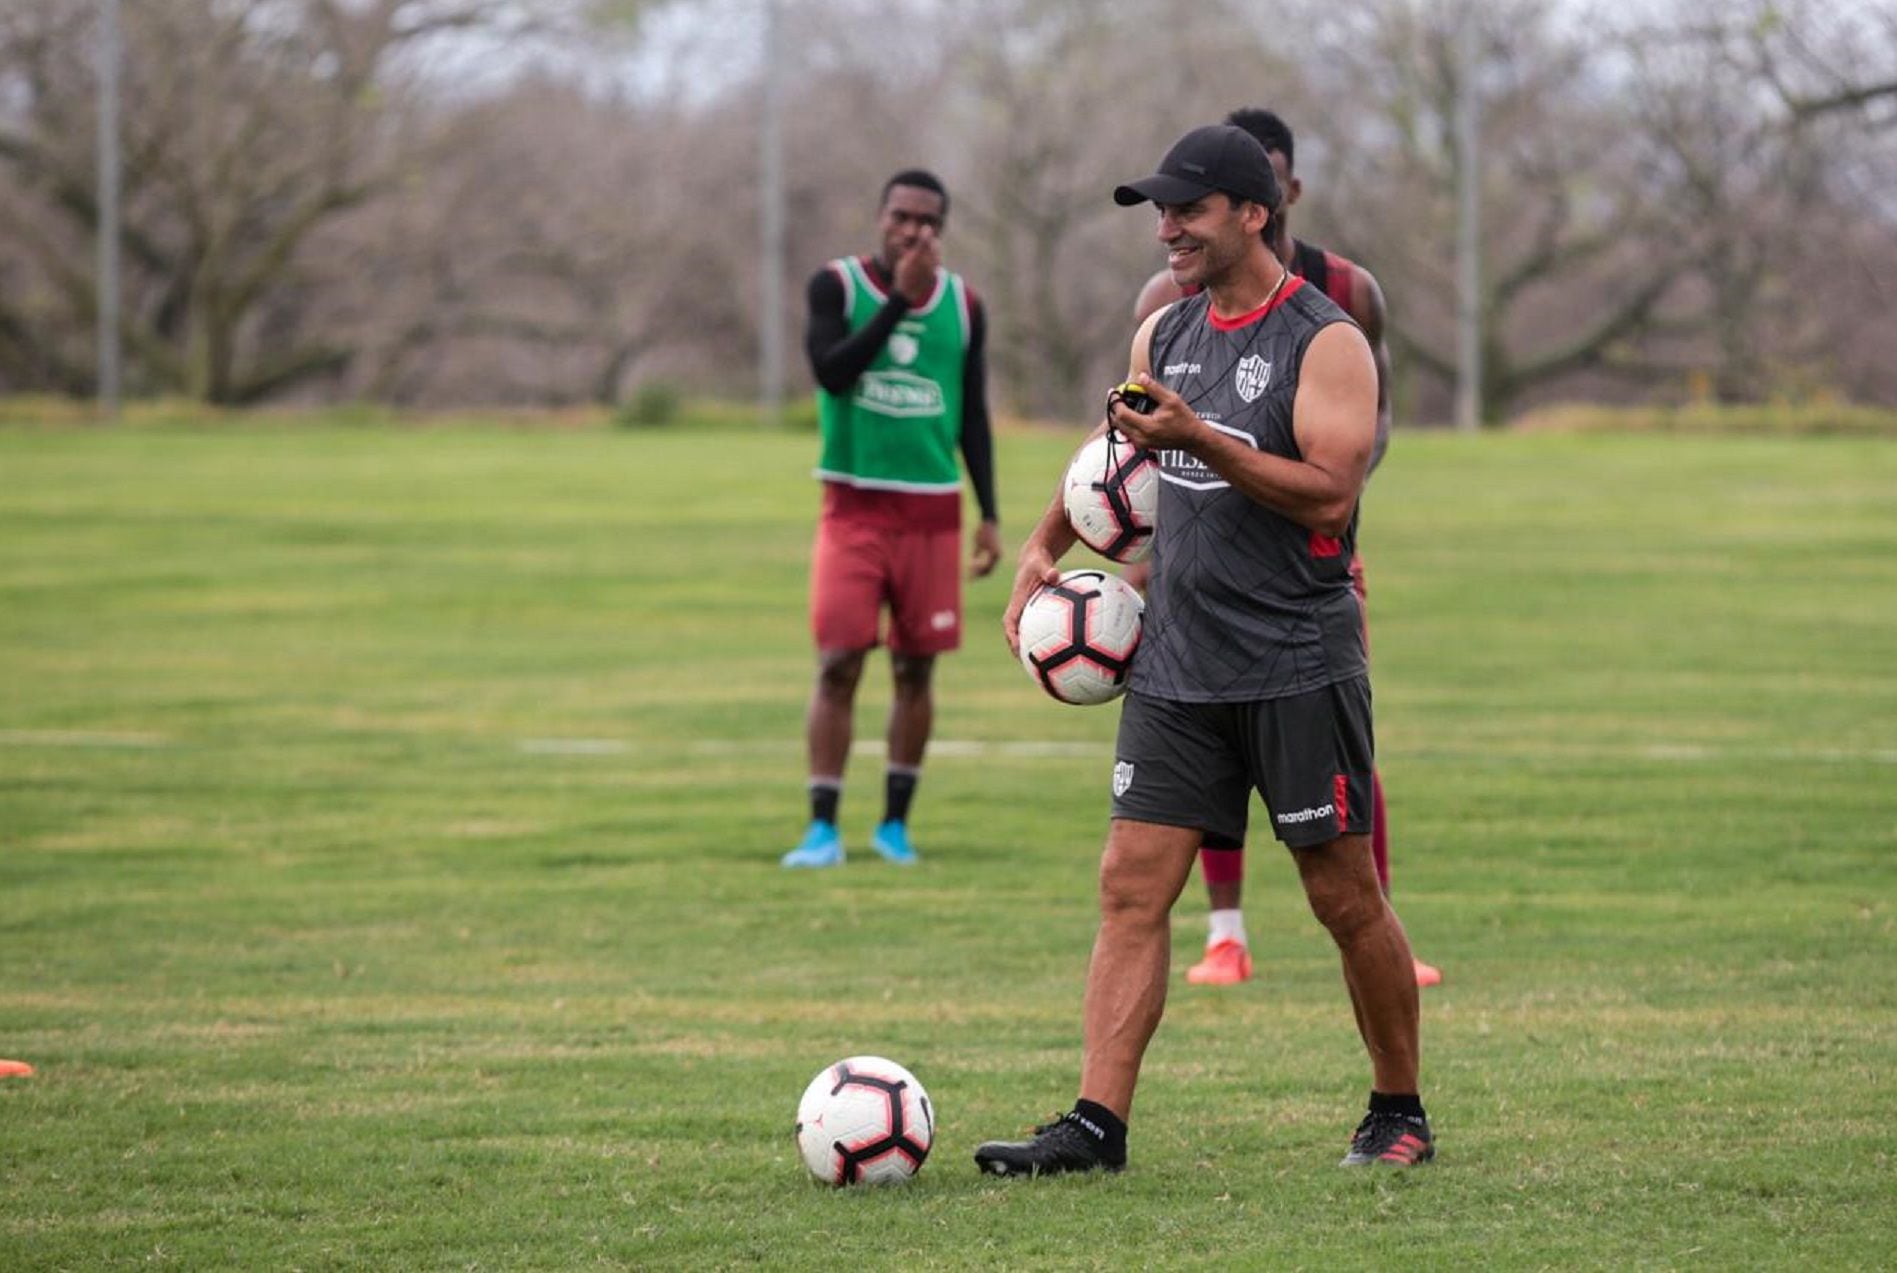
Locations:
864 1121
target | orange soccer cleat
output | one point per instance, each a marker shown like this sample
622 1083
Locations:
1427 974
1226 963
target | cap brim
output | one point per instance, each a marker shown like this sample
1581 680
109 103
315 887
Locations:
1160 188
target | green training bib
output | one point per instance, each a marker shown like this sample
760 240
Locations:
898 427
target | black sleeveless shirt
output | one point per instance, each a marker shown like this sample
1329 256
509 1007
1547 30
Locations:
1244 604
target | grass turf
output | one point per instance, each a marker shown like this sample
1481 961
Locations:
388 836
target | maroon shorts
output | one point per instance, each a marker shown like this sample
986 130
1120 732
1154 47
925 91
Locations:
890 559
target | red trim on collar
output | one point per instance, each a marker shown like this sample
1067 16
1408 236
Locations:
1245 320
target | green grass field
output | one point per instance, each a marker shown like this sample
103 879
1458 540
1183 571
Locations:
388 834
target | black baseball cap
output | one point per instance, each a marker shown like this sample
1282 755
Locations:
1216 157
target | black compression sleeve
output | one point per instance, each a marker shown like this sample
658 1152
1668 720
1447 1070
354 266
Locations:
837 357
978 446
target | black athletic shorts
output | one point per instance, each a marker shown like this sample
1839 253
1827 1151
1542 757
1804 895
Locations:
1309 756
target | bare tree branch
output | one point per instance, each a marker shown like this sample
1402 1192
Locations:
1589 347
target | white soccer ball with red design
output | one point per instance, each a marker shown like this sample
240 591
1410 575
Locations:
1078 636
864 1121
1112 497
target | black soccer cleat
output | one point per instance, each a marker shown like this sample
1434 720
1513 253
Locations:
1062 1145
1400 1140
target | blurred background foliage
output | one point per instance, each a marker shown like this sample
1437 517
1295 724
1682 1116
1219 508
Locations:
432 203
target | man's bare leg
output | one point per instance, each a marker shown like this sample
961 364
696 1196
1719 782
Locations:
1340 881
1141 874
828 725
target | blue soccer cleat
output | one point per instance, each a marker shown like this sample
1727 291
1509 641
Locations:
892 842
821 846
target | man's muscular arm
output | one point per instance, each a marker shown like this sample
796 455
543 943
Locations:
1334 418
1053 535
1367 307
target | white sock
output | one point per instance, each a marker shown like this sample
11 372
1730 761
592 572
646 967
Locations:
1226 926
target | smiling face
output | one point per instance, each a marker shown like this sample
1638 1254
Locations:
908 213
1208 238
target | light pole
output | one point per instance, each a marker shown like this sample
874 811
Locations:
108 298
771 197
1468 225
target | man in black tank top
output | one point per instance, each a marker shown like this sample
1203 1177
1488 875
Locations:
1227 958
1251 674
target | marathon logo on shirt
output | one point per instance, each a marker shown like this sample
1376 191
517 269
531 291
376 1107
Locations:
1172 369
898 393
1306 815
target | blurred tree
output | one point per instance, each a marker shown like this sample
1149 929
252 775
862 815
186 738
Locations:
405 199
1577 265
1820 59
1784 191
557 268
1734 180
246 129
1080 96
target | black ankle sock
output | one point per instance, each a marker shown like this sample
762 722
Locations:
899 788
823 801
1407 1103
1101 1123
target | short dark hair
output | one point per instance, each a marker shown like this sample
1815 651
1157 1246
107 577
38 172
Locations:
921 179
1272 132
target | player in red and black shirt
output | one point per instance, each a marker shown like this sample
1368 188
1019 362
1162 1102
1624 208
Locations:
1354 289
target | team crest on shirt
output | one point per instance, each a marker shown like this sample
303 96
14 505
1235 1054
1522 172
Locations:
1251 377
903 348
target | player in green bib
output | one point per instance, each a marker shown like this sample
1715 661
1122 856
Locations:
895 343
898 427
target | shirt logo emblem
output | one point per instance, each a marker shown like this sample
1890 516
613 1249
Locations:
903 348
1122 777
1253 374
890 391
1182 468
